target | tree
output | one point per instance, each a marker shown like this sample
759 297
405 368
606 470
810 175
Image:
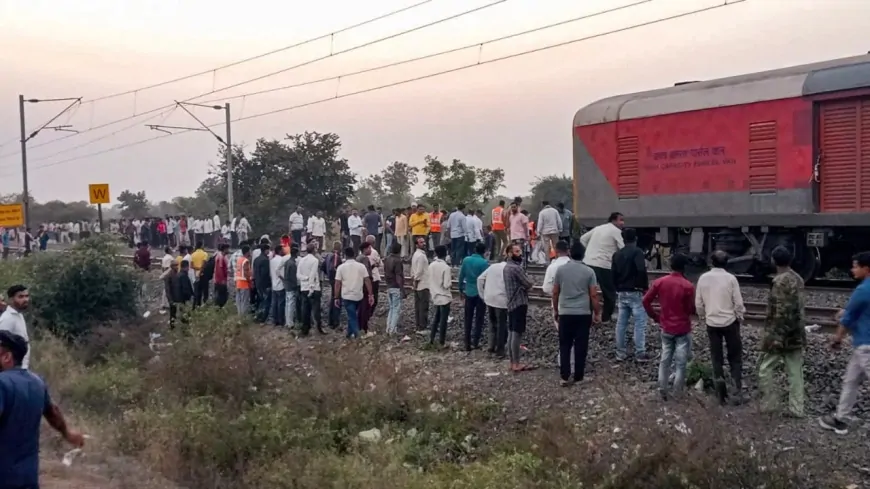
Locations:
398 179
369 192
552 188
460 182
277 176
133 204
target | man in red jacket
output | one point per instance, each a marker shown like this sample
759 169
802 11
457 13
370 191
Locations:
676 297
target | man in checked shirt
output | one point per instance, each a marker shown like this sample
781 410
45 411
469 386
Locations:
517 286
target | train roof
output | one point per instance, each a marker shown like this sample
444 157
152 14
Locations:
795 81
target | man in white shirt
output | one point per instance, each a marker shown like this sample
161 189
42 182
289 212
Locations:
208 233
377 265
217 231
243 228
473 232
317 229
308 275
601 243
491 286
12 319
355 227
352 285
550 274
276 274
719 305
440 280
420 278
297 225
549 227
165 264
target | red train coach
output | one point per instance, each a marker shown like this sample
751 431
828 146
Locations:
741 164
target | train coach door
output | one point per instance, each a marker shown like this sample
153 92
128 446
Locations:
843 158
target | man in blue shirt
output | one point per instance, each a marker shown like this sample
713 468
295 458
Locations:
855 319
456 225
6 237
475 309
24 400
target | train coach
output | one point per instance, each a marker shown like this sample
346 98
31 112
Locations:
740 164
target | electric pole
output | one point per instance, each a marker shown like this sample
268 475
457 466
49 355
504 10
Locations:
228 142
229 163
25 138
26 194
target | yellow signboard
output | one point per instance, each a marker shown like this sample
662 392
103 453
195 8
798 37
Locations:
99 193
11 215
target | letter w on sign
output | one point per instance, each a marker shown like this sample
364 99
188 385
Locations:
99 193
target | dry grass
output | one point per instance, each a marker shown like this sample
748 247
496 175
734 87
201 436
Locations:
229 406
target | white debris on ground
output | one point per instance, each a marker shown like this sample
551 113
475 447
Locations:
370 436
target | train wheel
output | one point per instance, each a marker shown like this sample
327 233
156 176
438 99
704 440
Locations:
807 261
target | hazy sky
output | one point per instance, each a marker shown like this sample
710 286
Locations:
514 114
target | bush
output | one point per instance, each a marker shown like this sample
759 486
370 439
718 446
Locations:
232 404
71 292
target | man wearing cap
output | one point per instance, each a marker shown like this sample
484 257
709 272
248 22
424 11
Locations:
12 319
24 401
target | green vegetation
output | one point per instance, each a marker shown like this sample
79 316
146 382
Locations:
229 404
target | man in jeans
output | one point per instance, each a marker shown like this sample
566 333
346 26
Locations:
456 226
475 309
784 336
719 304
575 308
394 274
630 279
353 285
440 281
855 319
676 297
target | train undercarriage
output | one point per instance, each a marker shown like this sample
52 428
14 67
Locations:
818 252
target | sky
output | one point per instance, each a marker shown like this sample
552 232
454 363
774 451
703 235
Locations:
513 114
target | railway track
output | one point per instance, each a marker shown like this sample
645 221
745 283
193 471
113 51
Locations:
755 311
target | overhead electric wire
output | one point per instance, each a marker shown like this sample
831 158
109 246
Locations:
436 55
263 55
726 3
165 115
284 70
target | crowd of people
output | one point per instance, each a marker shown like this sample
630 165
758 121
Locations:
589 279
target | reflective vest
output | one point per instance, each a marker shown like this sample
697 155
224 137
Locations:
497 222
435 222
241 281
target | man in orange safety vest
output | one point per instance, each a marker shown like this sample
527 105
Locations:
498 229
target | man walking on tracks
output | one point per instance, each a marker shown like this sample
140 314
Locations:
601 243
854 319
631 281
784 335
719 304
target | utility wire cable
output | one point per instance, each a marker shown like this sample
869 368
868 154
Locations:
284 70
263 55
477 45
726 3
